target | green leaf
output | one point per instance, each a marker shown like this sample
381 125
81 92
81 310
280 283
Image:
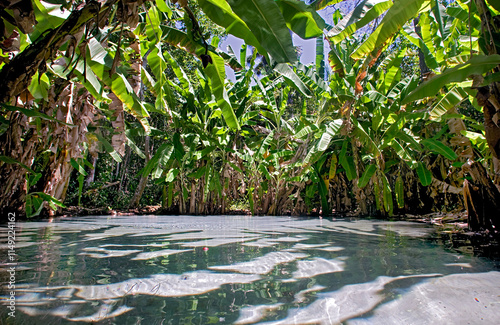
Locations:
78 167
181 40
217 75
162 155
250 200
265 20
12 161
438 10
171 175
440 148
479 64
158 65
452 98
230 60
221 13
393 130
474 137
321 4
336 64
48 16
292 79
430 37
90 80
333 167
366 139
320 57
367 175
33 113
393 21
347 163
39 86
376 97
495 4
108 147
322 145
122 89
305 131
100 63
387 195
163 7
153 21
49 198
323 192
198 173
402 152
180 73
410 139
34 205
265 144
424 175
301 19
365 12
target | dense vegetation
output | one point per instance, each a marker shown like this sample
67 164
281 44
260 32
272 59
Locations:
124 103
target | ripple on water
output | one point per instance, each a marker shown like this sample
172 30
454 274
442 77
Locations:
286 271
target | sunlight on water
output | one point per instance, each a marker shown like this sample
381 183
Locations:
244 270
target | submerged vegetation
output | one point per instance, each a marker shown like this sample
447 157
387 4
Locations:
126 103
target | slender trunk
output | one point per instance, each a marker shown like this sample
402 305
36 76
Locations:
192 203
144 178
201 203
182 204
124 169
138 85
91 175
223 201
164 196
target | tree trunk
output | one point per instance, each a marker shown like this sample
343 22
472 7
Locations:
144 178
124 169
201 202
482 199
91 175
13 176
192 201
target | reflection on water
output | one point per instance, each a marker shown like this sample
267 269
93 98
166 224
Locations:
244 270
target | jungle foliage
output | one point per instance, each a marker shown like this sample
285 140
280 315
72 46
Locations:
126 102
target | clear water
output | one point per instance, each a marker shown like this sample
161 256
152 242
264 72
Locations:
243 270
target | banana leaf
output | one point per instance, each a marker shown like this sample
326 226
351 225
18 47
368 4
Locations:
266 22
393 21
478 65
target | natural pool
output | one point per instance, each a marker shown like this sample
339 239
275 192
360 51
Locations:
243 270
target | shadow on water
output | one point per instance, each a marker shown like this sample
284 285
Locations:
244 270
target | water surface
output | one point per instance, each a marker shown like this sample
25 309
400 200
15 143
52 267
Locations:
244 270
